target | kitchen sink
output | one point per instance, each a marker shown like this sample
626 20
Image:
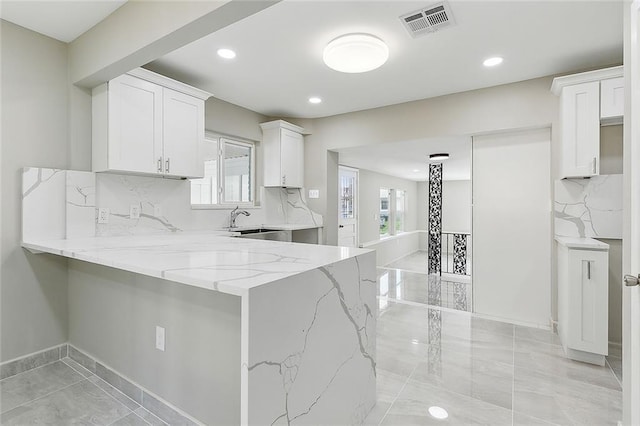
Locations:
254 231
263 234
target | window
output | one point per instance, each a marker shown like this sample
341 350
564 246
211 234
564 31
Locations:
400 210
393 207
228 174
384 211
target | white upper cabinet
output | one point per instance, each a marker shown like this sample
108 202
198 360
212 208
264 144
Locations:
283 153
587 100
612 100
144 123
580 129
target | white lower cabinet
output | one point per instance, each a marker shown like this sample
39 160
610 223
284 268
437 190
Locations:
583 293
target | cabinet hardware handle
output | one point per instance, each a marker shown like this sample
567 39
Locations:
167 165
160 165
284 179
588 270
594 165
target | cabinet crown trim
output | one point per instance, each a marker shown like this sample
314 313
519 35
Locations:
283 125
585 77
169 83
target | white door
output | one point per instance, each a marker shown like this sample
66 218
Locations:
135 125
631 231
348 207
512 226
183 134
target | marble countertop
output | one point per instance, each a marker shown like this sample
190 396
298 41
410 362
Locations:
581 243
206 259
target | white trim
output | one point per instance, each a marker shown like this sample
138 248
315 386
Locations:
169 83
281 124
585 77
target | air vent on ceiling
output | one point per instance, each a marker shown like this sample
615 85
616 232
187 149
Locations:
429 19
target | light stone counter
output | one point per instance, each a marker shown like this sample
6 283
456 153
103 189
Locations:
304 349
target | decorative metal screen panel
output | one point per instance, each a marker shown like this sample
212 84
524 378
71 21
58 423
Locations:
435 217
460 254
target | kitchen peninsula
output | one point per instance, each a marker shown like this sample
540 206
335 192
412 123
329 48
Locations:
257 332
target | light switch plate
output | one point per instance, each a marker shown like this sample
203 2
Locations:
103 215
314 193
134 211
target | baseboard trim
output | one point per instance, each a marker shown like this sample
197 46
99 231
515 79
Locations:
33 360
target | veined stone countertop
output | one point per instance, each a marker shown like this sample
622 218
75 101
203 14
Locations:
205 259
582 243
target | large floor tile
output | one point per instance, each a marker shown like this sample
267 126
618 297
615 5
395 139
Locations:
557 399
412 407
550 359
536 334
130 420
33 384
82 403
486 380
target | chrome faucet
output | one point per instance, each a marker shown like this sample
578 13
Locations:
234 214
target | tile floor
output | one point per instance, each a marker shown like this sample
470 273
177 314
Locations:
64 393
479 371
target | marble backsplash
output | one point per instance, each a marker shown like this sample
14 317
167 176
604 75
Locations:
589 207
65 203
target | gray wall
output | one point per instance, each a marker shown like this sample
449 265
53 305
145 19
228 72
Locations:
512 106
113 315
369 202
615 290
34 133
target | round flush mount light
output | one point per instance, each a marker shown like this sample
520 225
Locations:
492 62
355 53
439 157
315 100
416 170
438 412
226 53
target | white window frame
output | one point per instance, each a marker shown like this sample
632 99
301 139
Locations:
222 141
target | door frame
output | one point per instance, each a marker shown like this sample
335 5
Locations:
631 218
356 200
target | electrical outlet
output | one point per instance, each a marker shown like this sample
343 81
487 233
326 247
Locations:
314 193
103 215
157 210
134 211
160 338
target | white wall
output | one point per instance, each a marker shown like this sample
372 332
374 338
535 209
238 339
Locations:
34 133
369 202
456 206
512 239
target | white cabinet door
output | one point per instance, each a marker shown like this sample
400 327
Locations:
612 98
183 134
580 123
588 301
292 158
135 125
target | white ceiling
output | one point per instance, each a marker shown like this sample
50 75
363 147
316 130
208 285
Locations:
279 63
279 52
62 20
402 158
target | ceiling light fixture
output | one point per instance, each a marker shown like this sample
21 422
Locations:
315 100
415 170
439 157
438 412
492 62
355 53
226 53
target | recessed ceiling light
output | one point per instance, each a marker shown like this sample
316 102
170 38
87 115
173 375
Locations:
438 412
492 62
415 170
439 157
315 100
226 53
354 53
